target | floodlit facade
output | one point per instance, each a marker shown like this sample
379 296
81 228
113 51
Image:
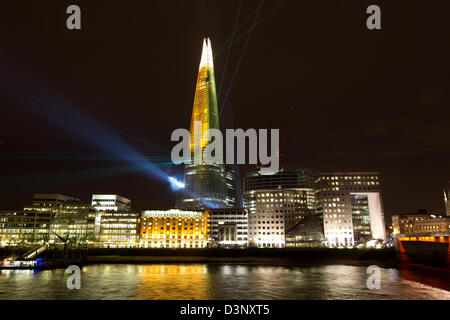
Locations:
54 219
351 208
116 229
404 223
276 204
205 184
420 223
434 225
110 202
229 227
23 226
73 221
174 229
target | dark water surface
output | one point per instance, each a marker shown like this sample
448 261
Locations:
218 281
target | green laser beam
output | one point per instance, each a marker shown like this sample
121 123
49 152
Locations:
229 50
240 58
220 52
237 30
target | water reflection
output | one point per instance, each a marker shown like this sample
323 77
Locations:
218 281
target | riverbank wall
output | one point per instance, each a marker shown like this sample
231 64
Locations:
216 255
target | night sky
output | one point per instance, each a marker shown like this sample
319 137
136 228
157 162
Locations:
78 106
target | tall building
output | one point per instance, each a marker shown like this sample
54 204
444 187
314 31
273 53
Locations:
447 200
276 203
351 208
205 184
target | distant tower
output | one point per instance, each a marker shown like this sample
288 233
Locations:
205 185
447 200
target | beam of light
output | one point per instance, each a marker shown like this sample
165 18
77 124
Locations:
49 180
240 58
229 50
231 42
89 130
151 144
81 157
81 126
230 39
175 184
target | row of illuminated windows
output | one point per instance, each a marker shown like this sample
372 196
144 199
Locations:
280 195
338 221
338 228
171 219
334 204
331 233
334 215
267 222
334 210
118 231
264 228
350 178
369 183
173 236
266 233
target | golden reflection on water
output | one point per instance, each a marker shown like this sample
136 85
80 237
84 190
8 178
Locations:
217 281
185 282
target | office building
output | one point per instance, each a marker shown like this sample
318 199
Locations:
228 227
110 202
350 205
307 233
23 227
174 229
276 204
116 229
73 222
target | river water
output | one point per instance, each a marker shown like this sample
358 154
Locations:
220 281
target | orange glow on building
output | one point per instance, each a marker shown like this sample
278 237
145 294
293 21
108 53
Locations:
174 229
425 239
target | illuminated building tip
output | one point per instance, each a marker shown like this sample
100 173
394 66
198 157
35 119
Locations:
207 56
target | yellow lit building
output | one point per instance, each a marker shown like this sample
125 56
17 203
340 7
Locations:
205 184
174 229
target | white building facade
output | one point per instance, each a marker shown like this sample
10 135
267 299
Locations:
351 206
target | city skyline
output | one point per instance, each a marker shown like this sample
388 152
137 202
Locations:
409 150
224 158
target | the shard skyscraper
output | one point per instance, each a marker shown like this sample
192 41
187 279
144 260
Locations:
205 184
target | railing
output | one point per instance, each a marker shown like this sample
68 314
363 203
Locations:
30 254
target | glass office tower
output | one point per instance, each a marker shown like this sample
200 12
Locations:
205 184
